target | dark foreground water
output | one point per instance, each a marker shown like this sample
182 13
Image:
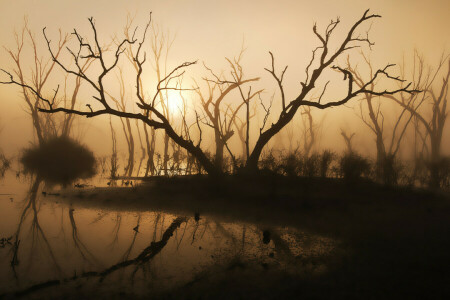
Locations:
54 247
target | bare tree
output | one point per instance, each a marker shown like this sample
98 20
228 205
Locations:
386 150
128 133
221 119
242 126
158 119
437 98
41 70
160 46
150 139
143 151
324 61
348 140
114 159
310 130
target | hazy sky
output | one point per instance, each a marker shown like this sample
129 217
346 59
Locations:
209 30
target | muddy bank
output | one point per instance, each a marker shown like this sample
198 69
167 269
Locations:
277 201
393 242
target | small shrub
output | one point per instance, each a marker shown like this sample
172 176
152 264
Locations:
291 164
420 172
268 162
59 160
310 165
353 166
442 172
326 159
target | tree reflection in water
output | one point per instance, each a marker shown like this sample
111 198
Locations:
116 250
38 236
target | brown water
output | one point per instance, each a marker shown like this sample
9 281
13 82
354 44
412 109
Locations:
48 238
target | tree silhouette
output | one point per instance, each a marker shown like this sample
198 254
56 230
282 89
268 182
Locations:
152 115
437 98
386 170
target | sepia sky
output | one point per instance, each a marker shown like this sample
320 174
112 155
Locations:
210 30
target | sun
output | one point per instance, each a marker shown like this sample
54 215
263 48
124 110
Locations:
175 101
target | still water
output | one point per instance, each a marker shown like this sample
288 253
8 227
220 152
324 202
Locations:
51 246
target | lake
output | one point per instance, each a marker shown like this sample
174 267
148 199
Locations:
57 246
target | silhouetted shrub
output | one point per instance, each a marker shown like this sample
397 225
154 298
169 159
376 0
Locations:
310 165
291 164
326 159
442 172
353 166
268 162
294 164
59 160
420 172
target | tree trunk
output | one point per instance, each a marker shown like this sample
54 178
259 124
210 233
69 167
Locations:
218 161
381 157
435 179
166 154
131 149
150 152
264 138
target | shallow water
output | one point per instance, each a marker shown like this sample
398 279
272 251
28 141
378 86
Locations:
53 246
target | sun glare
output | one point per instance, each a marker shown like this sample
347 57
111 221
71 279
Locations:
174 101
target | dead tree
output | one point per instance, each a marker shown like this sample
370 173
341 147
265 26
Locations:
150 138
241 126
138 171
41 70
126 124
387 149
323 58
437 98
310 130
348 141
114 162
40 73
161 42
220 116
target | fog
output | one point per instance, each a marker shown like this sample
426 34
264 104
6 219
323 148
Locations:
204 149
209 32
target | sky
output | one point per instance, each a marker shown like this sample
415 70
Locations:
211 30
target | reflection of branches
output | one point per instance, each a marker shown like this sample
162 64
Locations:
126 255
158 216
281 246
206 227
35 229
77 242
146 255
182 235
99 218
116 229
226 233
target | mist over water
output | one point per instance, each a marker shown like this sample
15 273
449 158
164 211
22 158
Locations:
224 150
106 246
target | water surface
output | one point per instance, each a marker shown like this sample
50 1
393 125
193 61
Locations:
53 246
